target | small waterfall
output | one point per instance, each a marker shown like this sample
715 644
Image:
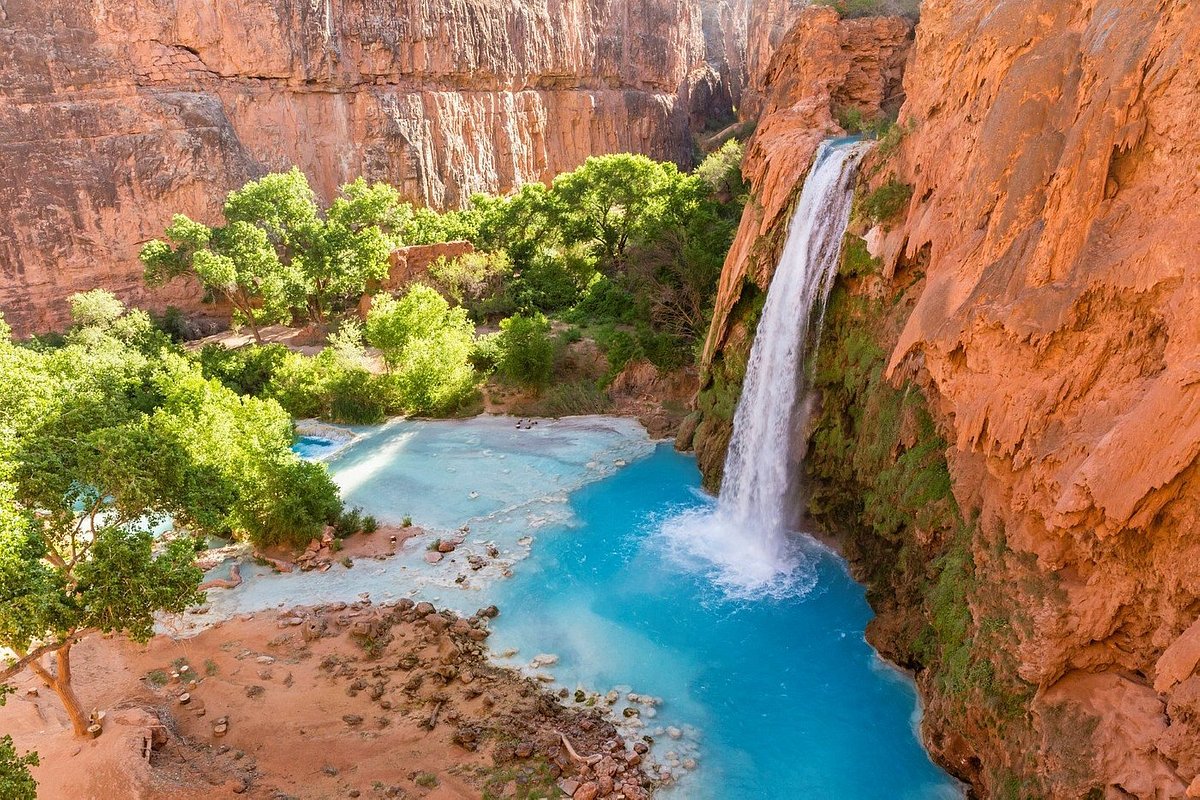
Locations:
746 536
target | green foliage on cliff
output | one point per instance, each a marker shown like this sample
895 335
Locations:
855 9
878 475
886 203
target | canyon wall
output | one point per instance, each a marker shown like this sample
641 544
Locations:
1010 443
116 115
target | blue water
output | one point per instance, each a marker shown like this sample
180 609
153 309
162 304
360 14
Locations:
314 447
765 699
788 699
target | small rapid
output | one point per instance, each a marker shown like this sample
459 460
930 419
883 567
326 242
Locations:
744 543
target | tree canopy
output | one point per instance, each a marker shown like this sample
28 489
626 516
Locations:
101 441
277 252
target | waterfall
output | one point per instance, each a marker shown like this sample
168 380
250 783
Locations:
745 539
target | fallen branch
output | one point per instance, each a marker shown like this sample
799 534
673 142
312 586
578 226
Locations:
589 760
430 723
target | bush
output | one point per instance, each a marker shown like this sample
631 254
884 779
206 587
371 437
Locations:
245 370
427 346
474 281
526 350
603 301
887 202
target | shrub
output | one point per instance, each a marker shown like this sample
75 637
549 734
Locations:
245 370
887 202
485 353
474 280
427 346
526 351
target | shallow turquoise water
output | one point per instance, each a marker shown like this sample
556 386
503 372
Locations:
788 699
773 699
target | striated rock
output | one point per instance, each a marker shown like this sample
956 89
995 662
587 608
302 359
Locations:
1054 207
1048 249
116 115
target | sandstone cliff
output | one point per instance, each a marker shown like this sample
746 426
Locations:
1056 214
1018 447
115 115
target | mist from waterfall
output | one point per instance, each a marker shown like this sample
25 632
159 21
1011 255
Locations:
744 541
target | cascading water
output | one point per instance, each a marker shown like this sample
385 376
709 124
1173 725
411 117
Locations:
746 536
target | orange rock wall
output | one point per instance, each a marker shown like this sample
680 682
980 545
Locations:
1054 156
823 63
115 115
1053 233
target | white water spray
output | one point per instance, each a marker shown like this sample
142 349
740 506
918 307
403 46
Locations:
745 538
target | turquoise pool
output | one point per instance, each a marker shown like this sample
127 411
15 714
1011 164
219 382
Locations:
767 698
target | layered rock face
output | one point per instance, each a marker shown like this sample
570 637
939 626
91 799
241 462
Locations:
116 115
1055 213
1039 289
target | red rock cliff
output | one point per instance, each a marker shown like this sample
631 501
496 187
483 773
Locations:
1054 157
1049 258
115 115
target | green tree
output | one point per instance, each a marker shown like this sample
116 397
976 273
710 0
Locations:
237 262
614 201
99 308
277 252
352 246
526 351
426 346
102 439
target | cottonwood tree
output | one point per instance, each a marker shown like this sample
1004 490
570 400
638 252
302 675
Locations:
102 439
614 201
426 346
237 262
277 251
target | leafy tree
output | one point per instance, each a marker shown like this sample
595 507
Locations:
277 252
426 346
100 440
526 351
393 323
237 262
616 200
472 279
352 246
98 308
721 170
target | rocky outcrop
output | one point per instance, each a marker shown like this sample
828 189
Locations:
823 64
1012 417
116 115
1053 157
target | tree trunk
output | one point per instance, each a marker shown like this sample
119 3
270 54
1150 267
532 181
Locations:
242 303
60 682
